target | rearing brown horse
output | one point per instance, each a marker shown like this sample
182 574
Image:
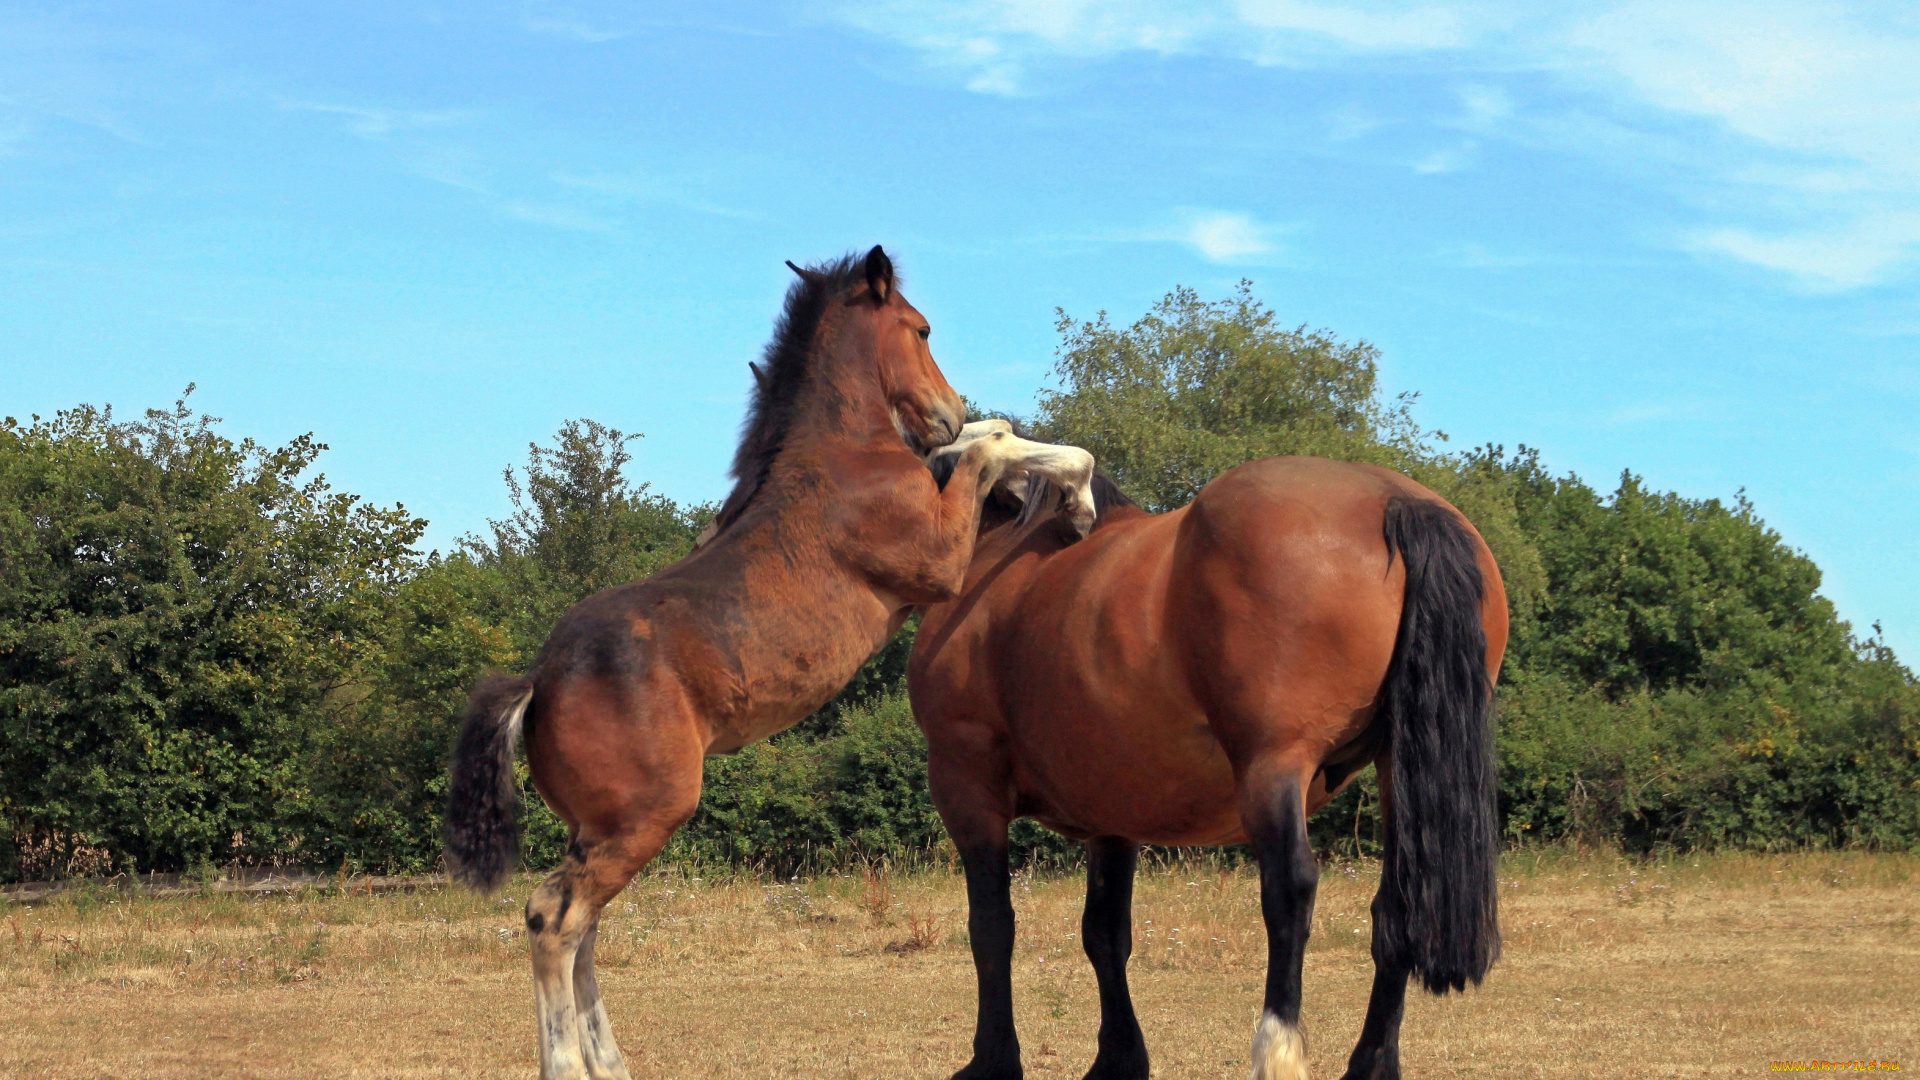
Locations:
833 533
1214 675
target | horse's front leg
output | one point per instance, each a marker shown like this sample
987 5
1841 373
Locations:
1275 814
1106 932
996 1049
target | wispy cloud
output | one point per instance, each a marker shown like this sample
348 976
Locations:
1642 413
591 23
1833 90
1479 257
575 30
1352 122
1859 253
1362 27
996 45
1813 169
14 133
375 123
676 191
557 216
1445 160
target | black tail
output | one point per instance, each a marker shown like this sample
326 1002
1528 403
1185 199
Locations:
1441 916
483 796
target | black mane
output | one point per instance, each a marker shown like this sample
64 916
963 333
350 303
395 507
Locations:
783 373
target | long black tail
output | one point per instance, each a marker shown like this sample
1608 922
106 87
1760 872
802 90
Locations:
483 835
1440 920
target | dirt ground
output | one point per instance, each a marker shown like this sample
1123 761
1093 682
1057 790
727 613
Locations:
1694 966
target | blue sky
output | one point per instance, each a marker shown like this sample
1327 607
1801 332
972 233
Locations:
1676 238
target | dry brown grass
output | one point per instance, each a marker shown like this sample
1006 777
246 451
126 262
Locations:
1703 966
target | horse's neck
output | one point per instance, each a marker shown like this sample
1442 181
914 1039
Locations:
840 403
794 616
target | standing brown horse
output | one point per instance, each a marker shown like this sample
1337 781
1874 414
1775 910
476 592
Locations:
1214 675
833 533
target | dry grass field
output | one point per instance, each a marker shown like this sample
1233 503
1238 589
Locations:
1700 966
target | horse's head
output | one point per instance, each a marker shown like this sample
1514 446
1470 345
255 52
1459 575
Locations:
926 411
848 360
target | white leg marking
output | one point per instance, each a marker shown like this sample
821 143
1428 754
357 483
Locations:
559 1023
1279 1052
601 1053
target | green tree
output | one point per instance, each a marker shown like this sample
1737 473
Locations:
1683 683
375 772
175 609
1194 388
1650 591
578 526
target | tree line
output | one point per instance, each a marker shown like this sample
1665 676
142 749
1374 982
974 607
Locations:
208 656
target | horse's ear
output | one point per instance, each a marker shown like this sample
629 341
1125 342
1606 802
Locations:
880 274
759 376
811 277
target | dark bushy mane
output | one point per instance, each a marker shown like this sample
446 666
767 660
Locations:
783 373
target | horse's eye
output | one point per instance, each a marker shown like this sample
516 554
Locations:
925 332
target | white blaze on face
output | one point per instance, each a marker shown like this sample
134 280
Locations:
1067 467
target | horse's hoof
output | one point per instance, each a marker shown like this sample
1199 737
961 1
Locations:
1279 1050
980 1070
1375 1066
1120 1067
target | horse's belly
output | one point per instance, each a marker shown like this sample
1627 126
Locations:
1165 782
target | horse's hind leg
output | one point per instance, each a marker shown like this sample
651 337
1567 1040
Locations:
563 915
1106 932
1377 1055
597 1047
556 927
1274 812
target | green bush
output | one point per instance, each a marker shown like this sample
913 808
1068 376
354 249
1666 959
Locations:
856 792
180 617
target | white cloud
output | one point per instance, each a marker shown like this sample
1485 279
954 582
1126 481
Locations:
1219 236
1485 104
1351 122
377 123
1480 257
1813 167
687 191
14 134
1365 27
